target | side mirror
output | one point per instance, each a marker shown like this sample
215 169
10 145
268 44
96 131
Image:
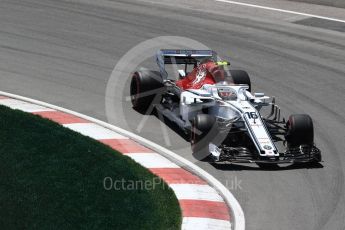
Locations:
259 94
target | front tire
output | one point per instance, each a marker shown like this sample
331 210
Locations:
300 130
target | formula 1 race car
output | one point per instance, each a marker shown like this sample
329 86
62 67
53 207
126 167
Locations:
215 107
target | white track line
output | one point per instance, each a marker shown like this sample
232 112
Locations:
195 192
24 106
192 223
152 160
280 10
94 131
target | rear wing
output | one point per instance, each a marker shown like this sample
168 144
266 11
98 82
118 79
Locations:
187 57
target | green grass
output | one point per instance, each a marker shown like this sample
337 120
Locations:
52 178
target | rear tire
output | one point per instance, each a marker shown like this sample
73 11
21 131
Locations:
241 77
145 90
300 130
202 125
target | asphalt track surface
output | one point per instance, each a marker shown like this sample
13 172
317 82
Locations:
63 52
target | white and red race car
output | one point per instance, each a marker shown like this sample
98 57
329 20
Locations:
215 107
